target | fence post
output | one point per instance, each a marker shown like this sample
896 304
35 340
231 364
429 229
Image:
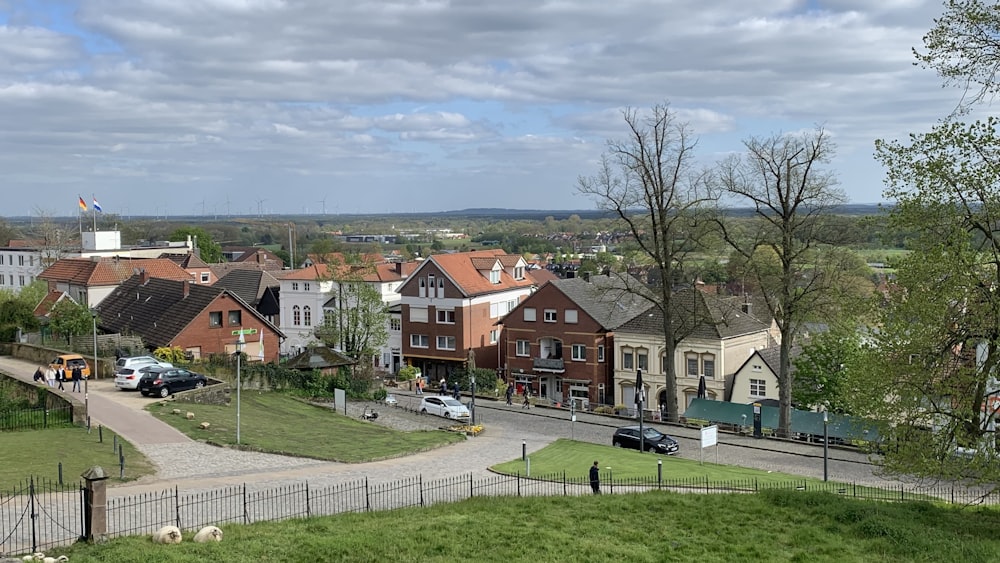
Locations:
471 490
421 481
368 498
177 506
246 512
31 500
518 484
953 493
100 434
308 510
95 516
564 482
61 480
706 483
45 418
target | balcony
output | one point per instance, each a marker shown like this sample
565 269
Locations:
554 365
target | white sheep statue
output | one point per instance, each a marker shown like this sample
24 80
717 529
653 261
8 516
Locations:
38 556
208 534
60 559
190 415
167 534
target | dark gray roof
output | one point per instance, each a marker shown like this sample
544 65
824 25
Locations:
715 317
319 357
611 300
249 285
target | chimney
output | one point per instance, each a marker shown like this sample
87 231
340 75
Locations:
143 276
586 277
187 289
745 307
399 269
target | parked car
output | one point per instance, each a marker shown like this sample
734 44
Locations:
444 406
653 440
70 361
163 381
128 371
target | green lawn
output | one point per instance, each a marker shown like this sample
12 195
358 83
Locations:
775 526
37 453
280 423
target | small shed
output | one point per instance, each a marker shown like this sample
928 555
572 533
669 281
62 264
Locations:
322 358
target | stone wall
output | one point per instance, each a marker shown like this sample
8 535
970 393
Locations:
42 355
215 393
39 395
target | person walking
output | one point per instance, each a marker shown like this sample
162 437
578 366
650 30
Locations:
60 377
443 389
510 394
527 395
50 376
420 386
77 375
595 478
39 376
455 392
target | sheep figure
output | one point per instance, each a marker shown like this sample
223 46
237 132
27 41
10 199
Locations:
34 557
60 559
204 425
190 415
167 534
208 534
176 411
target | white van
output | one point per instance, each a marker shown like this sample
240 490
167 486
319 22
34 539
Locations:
127 370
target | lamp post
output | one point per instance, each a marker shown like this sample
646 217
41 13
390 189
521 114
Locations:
93 371
638 400
826 445
239 358
472 380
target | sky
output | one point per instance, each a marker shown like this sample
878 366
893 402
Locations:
237 107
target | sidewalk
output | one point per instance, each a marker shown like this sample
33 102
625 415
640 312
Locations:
138 427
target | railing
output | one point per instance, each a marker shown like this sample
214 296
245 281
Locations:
548 363
35 418
38 514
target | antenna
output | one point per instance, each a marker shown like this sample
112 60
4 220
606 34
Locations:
323 201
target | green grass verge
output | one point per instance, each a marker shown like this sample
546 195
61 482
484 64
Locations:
280 423
773 526
37 453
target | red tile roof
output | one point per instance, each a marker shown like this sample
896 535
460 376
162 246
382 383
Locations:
465 270
110 271
44 306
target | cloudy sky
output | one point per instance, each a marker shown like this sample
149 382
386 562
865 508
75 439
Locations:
181 107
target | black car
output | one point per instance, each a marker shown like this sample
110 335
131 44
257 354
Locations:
654 440
163 381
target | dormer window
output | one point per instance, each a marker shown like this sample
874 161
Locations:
519 273
494 276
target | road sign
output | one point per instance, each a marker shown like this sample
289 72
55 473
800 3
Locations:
245 331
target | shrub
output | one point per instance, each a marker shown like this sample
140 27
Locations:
406 373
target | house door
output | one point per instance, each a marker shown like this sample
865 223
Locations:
543 388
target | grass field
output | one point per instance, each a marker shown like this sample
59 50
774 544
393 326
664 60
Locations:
773 526
37 453
279 423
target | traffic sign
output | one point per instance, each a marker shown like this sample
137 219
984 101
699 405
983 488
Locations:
245 331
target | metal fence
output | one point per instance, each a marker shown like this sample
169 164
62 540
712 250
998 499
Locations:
38 514
35 418
57 520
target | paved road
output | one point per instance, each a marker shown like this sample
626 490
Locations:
192 466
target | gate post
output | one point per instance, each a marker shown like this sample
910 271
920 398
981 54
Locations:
95 504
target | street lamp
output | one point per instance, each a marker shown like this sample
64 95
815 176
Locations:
93 371
472 380
239 357
826 445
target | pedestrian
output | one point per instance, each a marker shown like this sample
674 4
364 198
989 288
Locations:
455 392
60 377
420 386
77 375
510 394
39 376
595 478
527 394
50 376
443 389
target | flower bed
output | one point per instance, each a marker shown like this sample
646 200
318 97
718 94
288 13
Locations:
468 429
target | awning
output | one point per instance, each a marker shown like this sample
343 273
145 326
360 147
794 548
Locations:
569 380
804 422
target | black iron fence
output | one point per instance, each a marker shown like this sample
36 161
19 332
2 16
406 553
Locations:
56 520
35 418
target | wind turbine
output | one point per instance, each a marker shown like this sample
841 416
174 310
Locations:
323 201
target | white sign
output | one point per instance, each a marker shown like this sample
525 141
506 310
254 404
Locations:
709 436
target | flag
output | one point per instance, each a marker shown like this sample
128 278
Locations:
97 206
83 204
262 345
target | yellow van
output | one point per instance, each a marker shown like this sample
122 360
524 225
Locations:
70 361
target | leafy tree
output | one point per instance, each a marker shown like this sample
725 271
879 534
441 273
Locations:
69 318
784 250
649 183
822 370
357 325
211 251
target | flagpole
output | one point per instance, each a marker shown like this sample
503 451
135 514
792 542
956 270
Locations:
94 199
79 218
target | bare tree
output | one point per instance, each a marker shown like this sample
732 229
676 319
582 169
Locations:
784 248
648 180
54 239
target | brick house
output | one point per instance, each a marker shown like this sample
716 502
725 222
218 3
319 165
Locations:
89 280
451 306
559 341
199 319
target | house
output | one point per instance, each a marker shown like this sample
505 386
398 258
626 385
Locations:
45 306
202 320
261 257
200 271
451 305
756 380
722 336
258 288
557 341
90 280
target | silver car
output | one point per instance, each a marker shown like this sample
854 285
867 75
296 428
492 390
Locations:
444 406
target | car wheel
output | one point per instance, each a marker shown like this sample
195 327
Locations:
144 394
199 385
423 411
164 392
447 414
616 444
650 449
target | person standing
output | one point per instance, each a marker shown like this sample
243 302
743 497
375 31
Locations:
50 376
443 390
77 375
420 386
527 394
60 377
510 394
595 478
455 392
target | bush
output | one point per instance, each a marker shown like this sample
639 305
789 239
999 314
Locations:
406 373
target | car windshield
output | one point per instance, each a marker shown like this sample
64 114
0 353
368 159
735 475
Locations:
452 403
652 434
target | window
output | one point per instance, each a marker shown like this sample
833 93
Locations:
20 260
445 342
627 359
756 367
395 324
1 259
519 273
523 348
550 315
529 314
642 360
296 316
494 276
31 260
215 318
418 314
494 336
663 363
692 365
440 287
571 316
431 284
758 388
295 286
305 286
2 280
708 365
422 287
307 316
20 280
600 353
446 317
418 340
235 318
579 353
205 278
